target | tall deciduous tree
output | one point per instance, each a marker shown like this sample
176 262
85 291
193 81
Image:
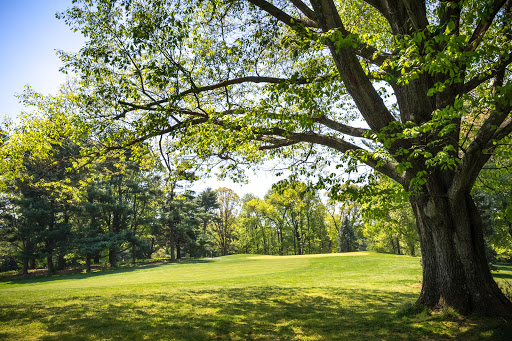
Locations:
223 228
493 196
238 78
257 228
389 223
302 216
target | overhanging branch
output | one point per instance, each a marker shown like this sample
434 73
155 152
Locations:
497 126
342 128
281 15
274 143
220 85
308 12
480 79
343 146
483 25
366 51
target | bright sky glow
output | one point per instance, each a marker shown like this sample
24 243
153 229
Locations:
30 35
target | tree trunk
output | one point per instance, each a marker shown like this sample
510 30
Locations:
134 253
297 241
151 249
25 266
173 248
61 262
51 268
112 257
271 247
340 240
178 251
265 247
280 234
309 234
88 263
455 269
294 244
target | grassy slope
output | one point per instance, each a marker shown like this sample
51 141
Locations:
321 297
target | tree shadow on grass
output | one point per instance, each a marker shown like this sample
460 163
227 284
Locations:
83 275
500 268
249 313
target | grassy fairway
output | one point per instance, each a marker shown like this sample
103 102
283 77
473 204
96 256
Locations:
356 296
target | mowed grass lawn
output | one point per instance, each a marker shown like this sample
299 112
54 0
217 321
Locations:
352 296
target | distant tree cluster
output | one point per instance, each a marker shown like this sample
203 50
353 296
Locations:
117 209
63 205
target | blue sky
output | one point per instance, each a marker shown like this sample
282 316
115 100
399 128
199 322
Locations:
29 37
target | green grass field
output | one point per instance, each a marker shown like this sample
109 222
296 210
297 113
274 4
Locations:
355 296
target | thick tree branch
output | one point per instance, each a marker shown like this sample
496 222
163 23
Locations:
367 100
484 24
251 79
450 10
480 79
327 14
220 85
281 15
378 5
496 127
278 138
403 16
343 146
366 51
342 128
275 143
308 12
504 130
417 13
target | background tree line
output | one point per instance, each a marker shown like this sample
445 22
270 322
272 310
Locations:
132 205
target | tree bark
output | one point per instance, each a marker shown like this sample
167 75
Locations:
88 263
265 247
61 261
25 266
455 269
112 257
173 247
150 252
281 248
134 253
51 268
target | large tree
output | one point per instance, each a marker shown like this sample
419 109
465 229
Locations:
417 90
223 227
